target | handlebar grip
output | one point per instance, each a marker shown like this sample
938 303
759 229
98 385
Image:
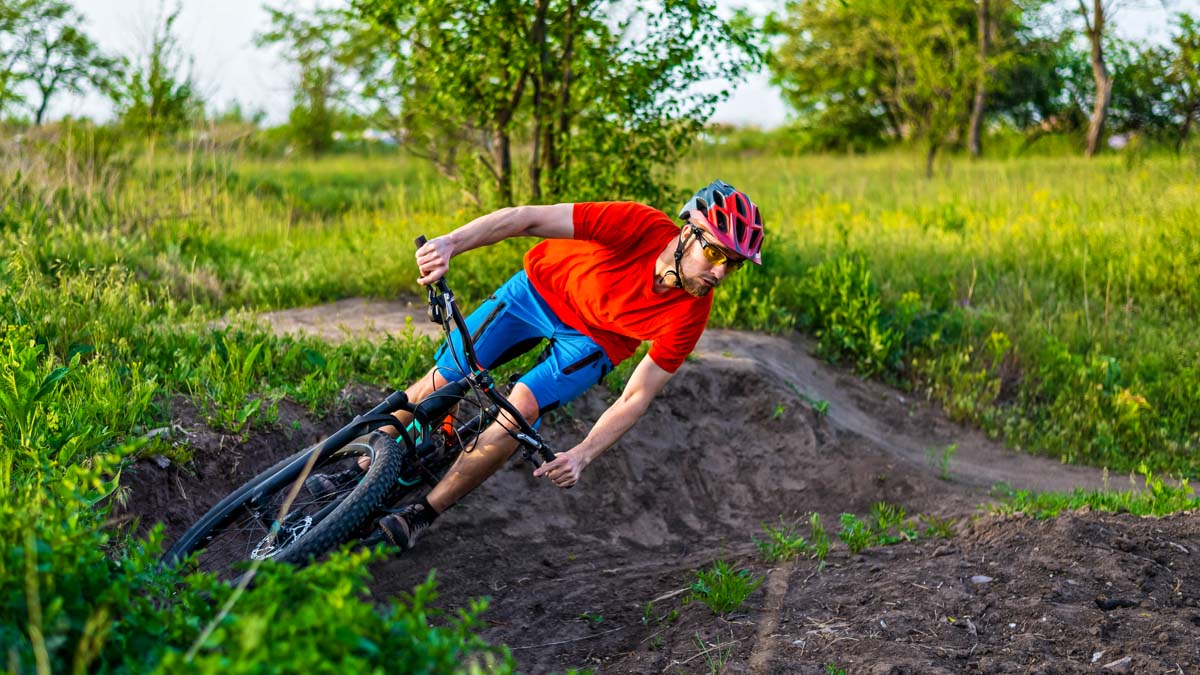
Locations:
543 455
421 240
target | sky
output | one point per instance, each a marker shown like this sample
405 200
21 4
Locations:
219 34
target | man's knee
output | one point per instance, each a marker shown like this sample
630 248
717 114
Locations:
525 402
424 386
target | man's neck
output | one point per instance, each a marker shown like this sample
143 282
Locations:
664 282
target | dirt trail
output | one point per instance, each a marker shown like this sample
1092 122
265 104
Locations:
731 443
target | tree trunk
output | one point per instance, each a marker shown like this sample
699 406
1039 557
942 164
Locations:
974 141
538 38
1184 129
554 161
1100 75
41 111
502 158
933 148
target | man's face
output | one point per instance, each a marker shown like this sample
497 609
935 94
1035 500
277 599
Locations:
706 264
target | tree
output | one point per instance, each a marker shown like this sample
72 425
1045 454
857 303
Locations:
1183 76
1004 38
909 67
937 64
14 50
1141 94
831 67
599 91
1046 88
1095 22
153 94
983 13
313 44
59 55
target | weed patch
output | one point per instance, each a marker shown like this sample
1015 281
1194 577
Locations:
781 542
722 588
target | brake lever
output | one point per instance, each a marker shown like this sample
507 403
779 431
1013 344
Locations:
542 455
435 308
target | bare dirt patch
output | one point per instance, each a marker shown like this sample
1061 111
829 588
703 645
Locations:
350 318
734 441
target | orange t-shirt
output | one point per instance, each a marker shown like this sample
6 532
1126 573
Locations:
601 283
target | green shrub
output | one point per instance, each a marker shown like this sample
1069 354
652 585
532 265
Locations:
845 311
722 588
855 533
818 538
78 596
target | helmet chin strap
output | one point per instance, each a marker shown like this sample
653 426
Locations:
677 273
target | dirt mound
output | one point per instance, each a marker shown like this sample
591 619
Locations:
735 441
1071 595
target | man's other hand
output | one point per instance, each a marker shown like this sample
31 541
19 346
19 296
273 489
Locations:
564 471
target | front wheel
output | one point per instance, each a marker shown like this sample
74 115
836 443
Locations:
239 529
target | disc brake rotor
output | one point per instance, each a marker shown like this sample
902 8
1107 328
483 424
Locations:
287 535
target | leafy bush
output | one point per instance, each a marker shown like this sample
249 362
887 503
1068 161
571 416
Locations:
76 595
845 311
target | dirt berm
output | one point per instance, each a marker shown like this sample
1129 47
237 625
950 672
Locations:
734 442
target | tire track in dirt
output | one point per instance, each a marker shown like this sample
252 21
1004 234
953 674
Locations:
777 584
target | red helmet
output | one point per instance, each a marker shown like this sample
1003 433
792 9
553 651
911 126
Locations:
735 220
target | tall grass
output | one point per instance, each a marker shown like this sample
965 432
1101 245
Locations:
1051 300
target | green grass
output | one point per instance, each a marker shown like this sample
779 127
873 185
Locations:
940 459
1045 299
1049 300
108 284
1157 498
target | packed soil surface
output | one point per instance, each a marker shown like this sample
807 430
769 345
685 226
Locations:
598 576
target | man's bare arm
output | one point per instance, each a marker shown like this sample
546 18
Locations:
548 222
647 380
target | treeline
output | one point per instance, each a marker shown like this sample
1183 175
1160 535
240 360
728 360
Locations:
514 100
941 73
567 99
47 53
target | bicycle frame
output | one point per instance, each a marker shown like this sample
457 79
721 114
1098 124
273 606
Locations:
443 310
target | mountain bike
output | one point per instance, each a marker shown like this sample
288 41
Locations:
277 515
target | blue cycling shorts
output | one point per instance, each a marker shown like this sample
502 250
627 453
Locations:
514 320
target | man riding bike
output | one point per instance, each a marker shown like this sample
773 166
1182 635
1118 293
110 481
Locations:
609 276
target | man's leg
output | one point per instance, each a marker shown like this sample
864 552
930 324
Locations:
492 449
416 392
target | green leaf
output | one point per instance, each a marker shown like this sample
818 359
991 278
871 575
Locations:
50 380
